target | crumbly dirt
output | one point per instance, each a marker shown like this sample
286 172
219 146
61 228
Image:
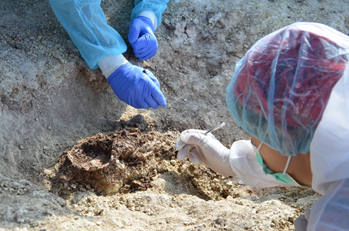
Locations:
123 164
128 161
50 103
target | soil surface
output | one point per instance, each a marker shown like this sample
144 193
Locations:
128 161
122 165
74 157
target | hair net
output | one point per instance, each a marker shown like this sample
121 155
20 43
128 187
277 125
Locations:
281 86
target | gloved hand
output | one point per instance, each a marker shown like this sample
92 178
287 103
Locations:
206 149
240 160
142 39
137 87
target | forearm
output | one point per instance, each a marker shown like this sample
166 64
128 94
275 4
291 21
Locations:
155 6
88 28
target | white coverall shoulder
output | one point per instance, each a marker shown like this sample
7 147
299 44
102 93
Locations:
330 162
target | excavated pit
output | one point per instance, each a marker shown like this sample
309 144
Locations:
129 160
135 159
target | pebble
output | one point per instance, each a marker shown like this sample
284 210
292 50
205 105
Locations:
229 183
61 202
219 221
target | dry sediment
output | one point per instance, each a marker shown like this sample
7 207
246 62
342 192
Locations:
128 164
49 100
129 160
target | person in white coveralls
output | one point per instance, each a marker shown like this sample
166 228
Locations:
290 93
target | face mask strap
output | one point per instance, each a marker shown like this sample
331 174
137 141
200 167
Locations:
287 164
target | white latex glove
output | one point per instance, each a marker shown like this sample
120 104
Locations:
205 149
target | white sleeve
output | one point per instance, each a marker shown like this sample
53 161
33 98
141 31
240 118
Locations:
149 14
331 211
243 162
109 64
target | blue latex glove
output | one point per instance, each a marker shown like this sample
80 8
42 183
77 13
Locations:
137 87
142 39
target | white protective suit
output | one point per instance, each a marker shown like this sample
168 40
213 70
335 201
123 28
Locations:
291 91
330 162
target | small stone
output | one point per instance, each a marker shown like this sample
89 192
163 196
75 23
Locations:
99 212
219 221
64 178
61 202
47 171
146 64
229 183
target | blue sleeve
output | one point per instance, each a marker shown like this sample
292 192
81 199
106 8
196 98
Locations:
156 6
86 24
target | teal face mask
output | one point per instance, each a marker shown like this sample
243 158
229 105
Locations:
280 176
